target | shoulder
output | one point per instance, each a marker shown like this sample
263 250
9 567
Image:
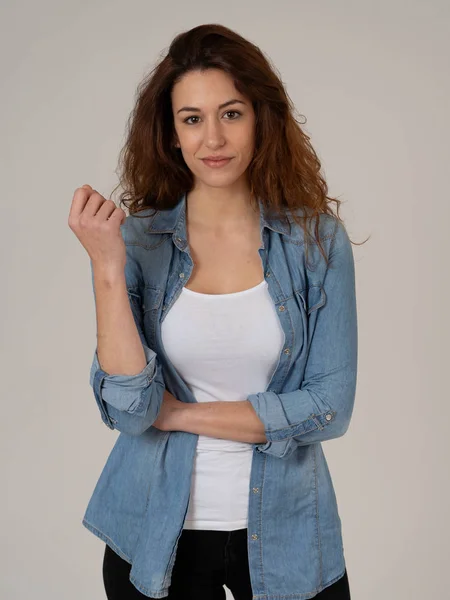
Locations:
328 226
334 241
135 228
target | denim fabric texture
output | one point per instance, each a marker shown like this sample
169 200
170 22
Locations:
138 506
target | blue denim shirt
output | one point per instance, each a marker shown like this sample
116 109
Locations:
141 498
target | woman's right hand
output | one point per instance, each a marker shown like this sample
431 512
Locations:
96 223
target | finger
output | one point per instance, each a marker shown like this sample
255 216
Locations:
79 201
118 215
107 211
94 202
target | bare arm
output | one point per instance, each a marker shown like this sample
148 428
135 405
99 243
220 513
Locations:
119 347
125 373
236 420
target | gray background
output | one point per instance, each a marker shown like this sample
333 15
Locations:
372 78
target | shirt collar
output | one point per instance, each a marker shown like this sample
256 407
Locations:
174 220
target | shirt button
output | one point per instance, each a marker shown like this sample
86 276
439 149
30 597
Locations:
287 351
182 275
255 490
268 274
164 307
178 239
281 308
328 417
254 536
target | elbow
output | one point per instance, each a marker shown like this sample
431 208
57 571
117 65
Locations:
334 428
331 431
341 399
132 426
134 422
338 428
128 405
342 410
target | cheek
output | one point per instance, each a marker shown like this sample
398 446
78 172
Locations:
246 140
247 149
189 138
189 143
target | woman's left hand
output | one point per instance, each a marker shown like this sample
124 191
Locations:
167 416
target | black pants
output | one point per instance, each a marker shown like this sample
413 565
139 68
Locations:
206 560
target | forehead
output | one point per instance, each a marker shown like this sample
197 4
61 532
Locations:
205 88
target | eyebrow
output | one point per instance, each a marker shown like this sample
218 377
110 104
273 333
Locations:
195 109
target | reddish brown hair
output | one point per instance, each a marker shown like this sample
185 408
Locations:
285 170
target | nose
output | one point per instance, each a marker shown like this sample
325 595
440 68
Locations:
214 137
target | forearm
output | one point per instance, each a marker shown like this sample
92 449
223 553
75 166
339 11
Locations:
232 420
119 346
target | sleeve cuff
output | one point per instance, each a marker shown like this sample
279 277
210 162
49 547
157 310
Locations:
277 449
123 392
269 408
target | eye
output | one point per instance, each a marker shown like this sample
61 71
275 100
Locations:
196 117
186 120
233 111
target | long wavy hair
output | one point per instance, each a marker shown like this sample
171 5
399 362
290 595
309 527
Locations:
284 172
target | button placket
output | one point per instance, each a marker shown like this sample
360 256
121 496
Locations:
282 308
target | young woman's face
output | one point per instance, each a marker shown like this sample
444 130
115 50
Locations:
212 129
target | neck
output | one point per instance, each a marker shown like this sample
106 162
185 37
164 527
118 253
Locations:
216 209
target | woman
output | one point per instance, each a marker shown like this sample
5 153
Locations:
226 339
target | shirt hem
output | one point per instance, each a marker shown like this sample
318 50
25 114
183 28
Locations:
165 591
162 593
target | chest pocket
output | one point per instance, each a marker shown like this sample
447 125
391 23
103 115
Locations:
152 298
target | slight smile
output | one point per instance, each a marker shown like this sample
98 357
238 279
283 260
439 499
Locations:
216 163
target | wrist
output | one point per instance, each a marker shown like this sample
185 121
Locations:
181 416
107 274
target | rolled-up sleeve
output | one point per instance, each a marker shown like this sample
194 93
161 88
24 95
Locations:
322 407
129 403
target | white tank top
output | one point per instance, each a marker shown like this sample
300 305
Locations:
225 347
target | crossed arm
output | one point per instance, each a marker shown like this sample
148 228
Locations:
236 421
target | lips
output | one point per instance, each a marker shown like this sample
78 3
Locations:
221 157
216 163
